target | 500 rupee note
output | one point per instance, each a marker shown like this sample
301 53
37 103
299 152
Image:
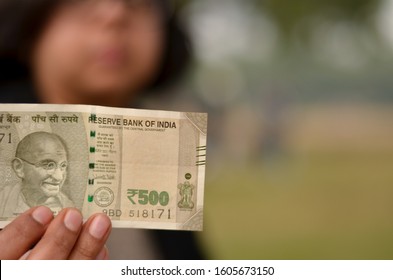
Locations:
144 169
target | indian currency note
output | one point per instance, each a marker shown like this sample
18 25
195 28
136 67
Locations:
144 169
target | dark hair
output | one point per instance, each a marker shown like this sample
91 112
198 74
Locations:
22 21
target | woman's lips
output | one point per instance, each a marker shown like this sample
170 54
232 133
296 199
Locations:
111 57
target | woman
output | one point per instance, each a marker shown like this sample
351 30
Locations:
101 52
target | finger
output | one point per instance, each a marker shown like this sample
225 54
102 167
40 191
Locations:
24 232
60 237
104 254
25 256
92 239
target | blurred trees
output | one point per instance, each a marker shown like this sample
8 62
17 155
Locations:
288 14
295 18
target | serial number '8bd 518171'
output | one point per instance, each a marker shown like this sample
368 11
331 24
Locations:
145 213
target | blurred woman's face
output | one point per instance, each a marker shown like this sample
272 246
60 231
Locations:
97 49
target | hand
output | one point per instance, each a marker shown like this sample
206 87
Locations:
37 235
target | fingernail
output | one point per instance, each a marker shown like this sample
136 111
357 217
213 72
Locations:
25 256
103 255
43 215
73 220
99 226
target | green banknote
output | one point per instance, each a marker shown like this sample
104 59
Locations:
144 169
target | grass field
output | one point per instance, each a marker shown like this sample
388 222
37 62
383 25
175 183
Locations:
297 207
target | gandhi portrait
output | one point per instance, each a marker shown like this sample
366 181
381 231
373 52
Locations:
40 163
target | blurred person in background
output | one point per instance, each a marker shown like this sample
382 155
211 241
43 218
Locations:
99 52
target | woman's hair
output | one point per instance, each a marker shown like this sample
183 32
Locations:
22 21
